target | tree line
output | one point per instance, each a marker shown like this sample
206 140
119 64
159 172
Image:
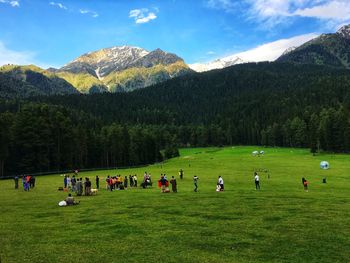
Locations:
272 104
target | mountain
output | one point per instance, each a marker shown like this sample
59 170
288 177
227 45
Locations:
26 81
328 49
122 68
217 64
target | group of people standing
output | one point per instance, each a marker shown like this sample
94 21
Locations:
78 186
119 182
163 183
28 182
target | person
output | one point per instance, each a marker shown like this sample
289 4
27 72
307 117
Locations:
135 180
257 181
173 184
24 182
163 183
79 187
87 186
97 182
69 182
65 181
181 173
305 184
74 183
32 181
70 200
27 183
221 183
195 182
131 180
16 182
126 182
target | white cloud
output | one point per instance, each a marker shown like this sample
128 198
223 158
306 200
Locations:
272 12
142 15
59 5
85 11
12 3
271 51
338 10
211 53
8 56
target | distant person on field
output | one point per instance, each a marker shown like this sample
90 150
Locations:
79 187
16 181
70 200
135 180
125 182
27 183
257 181
195 182
173 184
87 186
181 174
305 184
69 182
131 181
74 183
163 184
97 182
65 181
32 181
221 183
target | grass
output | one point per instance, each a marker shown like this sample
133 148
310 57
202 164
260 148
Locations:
280 223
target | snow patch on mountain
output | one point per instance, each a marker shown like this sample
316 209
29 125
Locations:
266 52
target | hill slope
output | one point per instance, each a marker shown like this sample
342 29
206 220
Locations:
25 81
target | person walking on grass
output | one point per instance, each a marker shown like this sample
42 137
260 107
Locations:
221 183
195 182
305 184
173 184
257 181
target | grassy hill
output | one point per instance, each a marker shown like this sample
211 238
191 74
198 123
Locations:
279 223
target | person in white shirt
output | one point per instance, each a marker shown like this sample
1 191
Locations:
221 183
257 181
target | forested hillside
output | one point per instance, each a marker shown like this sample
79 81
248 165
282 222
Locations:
271 104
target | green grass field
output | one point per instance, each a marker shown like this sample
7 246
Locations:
280 223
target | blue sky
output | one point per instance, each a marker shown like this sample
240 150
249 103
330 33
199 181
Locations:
52 33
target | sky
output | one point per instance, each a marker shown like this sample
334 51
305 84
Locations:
52 33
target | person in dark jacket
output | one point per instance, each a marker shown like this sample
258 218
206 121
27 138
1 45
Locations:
173 184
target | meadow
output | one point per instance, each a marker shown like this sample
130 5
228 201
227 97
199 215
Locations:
279 223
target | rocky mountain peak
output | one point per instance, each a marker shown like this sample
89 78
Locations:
344 31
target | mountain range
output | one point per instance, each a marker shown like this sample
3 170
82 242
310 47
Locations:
126 68
116 69
122 68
